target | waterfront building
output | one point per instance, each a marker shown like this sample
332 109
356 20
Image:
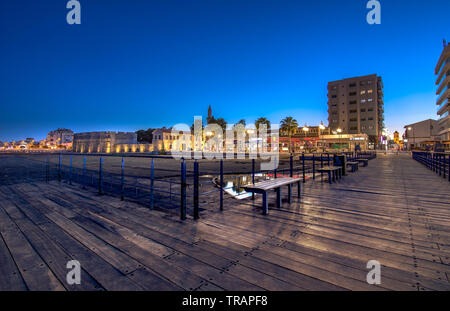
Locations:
355 105
422 135
60 137
442 71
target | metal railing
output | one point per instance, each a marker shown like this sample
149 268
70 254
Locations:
438 162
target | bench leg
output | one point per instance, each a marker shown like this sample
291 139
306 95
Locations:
299 190
278 197
265 204
329 176
289 193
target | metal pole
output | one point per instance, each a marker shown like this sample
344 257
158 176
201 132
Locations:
70 171
303 168
314 166
100 176
183 191
196 182
84 173
47 170
152 179
59 167
122 180
253 177
221 185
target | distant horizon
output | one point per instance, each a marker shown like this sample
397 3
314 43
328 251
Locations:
135 65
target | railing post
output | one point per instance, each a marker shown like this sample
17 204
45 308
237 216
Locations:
448 173
70 171
314 166
321 160
152 182
59 167
196 182
328 159
444 172
183 191
303 168
122 180
100 176
47 170
83 182
291 166
221 185
253 177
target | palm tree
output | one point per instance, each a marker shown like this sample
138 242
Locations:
289 127
262 121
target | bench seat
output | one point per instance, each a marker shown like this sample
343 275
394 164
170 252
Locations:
334 172
274 184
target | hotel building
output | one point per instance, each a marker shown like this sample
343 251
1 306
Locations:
443 102
356 106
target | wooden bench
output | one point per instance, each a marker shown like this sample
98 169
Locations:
334 172
354 165
274 184
364 161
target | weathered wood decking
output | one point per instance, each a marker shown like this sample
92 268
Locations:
394 211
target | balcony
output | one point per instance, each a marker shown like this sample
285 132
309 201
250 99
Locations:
443 97
445 83
442 107
444 56
444 72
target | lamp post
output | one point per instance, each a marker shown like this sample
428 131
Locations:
321 127
411 129
305 131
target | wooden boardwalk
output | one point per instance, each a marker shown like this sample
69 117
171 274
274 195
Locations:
395 211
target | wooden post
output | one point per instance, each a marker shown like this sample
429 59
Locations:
196 184
221 185
183 191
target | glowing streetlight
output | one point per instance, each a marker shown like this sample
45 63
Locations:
305 128
339 131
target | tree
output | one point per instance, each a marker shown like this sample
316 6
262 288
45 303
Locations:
243 122
262 121
145 136
289 127
221 122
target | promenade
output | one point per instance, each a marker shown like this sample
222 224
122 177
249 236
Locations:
394 211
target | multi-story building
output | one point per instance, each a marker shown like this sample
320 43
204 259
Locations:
108 142
60 137
164 140
421 135
443 102
356 106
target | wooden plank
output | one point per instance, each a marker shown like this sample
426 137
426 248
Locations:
33 269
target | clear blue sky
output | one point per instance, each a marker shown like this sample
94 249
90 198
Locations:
136 64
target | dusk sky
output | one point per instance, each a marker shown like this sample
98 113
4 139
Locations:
138 64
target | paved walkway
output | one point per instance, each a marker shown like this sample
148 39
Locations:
395 211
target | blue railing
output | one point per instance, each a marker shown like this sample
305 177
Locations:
438 162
